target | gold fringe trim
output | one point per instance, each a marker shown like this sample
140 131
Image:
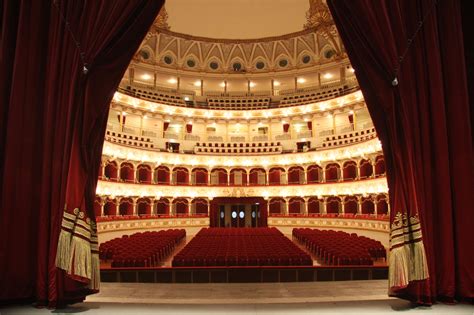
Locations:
78 252
80 258
95 277
63 255
407 260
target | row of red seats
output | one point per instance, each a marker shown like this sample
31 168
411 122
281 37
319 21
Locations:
340 248
145 249
241 247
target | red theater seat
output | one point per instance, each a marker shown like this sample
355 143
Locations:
242 247
340 248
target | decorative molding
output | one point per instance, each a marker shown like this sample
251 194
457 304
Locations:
116 151
124 102
361 187
123 225
312 42
331 223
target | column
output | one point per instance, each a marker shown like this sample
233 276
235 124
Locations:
131 75
267 177
359 205
339 174
178 83
358 170
296 83
373 169
248 131
305 174
228 177
141 125
102 204
154 206
325 209
342 74
247 171
273 87
190 206
172 210
248 86
343 206
154 80
388 208
333 123
323 175
376 207
268 207
319 79
104 164
354 120
225 86
306 199
202 87
286 207
208 177
269 130
134 206
208 207
227 131
286 176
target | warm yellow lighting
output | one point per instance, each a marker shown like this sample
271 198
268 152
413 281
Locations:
172 81
186 98
276 83
124 114
197 83
222 84
146 76
145 117
301 80
252 84
351 70
327 75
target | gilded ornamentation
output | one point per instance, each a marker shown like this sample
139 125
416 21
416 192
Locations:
407 260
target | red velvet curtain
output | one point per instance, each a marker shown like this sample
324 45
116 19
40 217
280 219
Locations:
310 125
425 129
52 126
286 128
165 125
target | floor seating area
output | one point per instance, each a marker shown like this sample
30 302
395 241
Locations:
241 247
340 248
145 249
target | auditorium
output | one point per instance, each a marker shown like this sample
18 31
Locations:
247 157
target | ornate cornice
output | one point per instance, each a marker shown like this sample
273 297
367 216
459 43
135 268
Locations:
304 49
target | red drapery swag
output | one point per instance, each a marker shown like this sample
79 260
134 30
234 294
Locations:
286 127
423 123
351 118
189 128
165 125
52 128
310 125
